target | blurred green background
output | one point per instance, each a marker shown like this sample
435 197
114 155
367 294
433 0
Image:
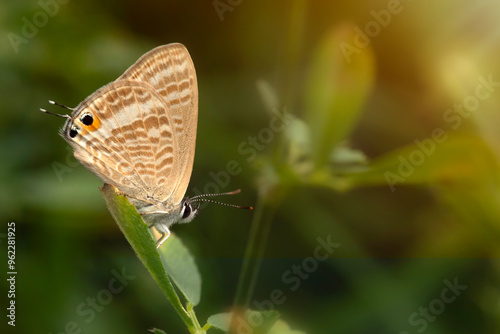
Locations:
398 244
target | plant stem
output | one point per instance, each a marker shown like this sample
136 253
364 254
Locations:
173 298
196 329
255 249
137 234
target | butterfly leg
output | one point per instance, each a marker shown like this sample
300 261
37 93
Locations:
161 240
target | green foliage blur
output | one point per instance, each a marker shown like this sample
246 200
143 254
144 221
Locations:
390 150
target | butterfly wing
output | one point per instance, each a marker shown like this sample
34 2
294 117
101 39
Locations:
130 141
170 71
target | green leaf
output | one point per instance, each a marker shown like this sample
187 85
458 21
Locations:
338 85
253 321
157 331
445 160
347 160
297 137
220 321
343 156
281 327
268 96
137 234
181 267
268 319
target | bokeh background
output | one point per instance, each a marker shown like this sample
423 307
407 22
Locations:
398 245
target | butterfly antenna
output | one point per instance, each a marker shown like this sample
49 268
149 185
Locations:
200 198
234 192
222 203
51 113
59 105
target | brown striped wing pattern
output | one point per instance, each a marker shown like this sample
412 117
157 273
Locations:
130 142
169 70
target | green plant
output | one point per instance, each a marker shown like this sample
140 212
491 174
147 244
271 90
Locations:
173 263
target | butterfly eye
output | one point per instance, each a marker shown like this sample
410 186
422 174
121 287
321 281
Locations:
187 211
73 132
87 119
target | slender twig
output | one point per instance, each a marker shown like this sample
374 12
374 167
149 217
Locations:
257 241
197 329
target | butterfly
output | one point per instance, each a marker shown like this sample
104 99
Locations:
138 133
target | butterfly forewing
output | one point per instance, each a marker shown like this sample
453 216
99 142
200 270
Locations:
170 72
130 143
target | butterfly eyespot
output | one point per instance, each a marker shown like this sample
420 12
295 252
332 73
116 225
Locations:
73 132
87 119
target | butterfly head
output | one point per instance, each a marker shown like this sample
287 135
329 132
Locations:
189 210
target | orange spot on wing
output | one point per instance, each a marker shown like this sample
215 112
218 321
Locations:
95 124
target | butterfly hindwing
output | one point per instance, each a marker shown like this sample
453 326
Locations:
130 143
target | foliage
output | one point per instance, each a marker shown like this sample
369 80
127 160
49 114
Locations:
378 154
